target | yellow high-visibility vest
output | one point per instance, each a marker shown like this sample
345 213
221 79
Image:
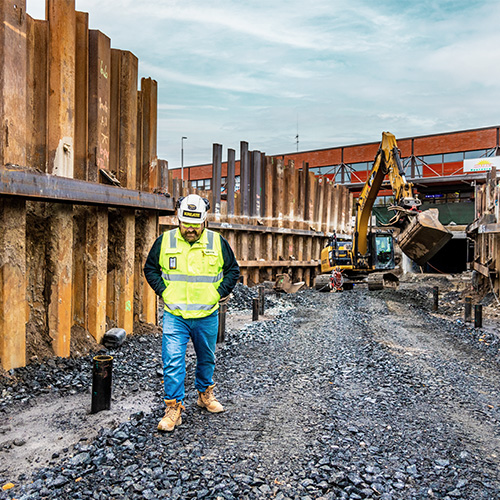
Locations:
191 273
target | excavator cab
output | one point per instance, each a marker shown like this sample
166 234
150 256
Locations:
382 250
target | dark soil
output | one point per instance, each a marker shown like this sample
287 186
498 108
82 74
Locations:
352 395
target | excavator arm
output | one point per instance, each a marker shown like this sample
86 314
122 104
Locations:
421 236
387 162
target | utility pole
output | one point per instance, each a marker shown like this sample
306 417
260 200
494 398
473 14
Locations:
297 136
182 158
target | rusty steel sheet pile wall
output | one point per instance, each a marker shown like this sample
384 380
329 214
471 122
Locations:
485 233
278 220
70 109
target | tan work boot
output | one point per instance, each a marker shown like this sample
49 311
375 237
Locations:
172 415
207 400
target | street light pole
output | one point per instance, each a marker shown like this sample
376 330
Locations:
182 158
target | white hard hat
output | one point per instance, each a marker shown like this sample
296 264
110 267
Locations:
192 209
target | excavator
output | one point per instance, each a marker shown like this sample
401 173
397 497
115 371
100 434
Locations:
368 254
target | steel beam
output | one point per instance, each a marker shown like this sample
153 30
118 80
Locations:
426 181
264 229
45 187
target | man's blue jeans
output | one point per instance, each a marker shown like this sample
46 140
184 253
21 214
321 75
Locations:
176 334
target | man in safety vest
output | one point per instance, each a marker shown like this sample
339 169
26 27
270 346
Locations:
192 269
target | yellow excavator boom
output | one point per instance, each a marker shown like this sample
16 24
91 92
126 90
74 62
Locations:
422 235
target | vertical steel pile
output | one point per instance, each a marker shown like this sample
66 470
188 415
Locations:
277 218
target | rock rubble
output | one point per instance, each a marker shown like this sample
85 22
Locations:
356 395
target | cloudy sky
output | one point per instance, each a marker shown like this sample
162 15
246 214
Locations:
337 72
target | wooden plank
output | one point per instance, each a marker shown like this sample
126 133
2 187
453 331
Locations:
13 76
99 103
12 283
37 88
81 95
62 67
480 268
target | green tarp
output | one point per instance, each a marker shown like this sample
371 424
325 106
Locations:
458 213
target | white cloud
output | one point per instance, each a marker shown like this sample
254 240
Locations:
229 71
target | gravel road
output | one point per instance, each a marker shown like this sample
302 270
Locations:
353 395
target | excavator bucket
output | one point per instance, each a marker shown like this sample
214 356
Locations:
424 236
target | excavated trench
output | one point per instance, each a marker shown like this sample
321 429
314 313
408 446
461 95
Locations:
355 395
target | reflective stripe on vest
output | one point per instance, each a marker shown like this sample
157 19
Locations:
191 273
192 279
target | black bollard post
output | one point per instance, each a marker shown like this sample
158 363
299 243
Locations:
435 296
221 334
478 316
255 309
102 367
261 300
468 309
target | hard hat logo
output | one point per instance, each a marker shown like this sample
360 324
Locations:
193 215
192 208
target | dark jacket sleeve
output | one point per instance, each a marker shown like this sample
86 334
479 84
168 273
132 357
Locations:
152 269
230 269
